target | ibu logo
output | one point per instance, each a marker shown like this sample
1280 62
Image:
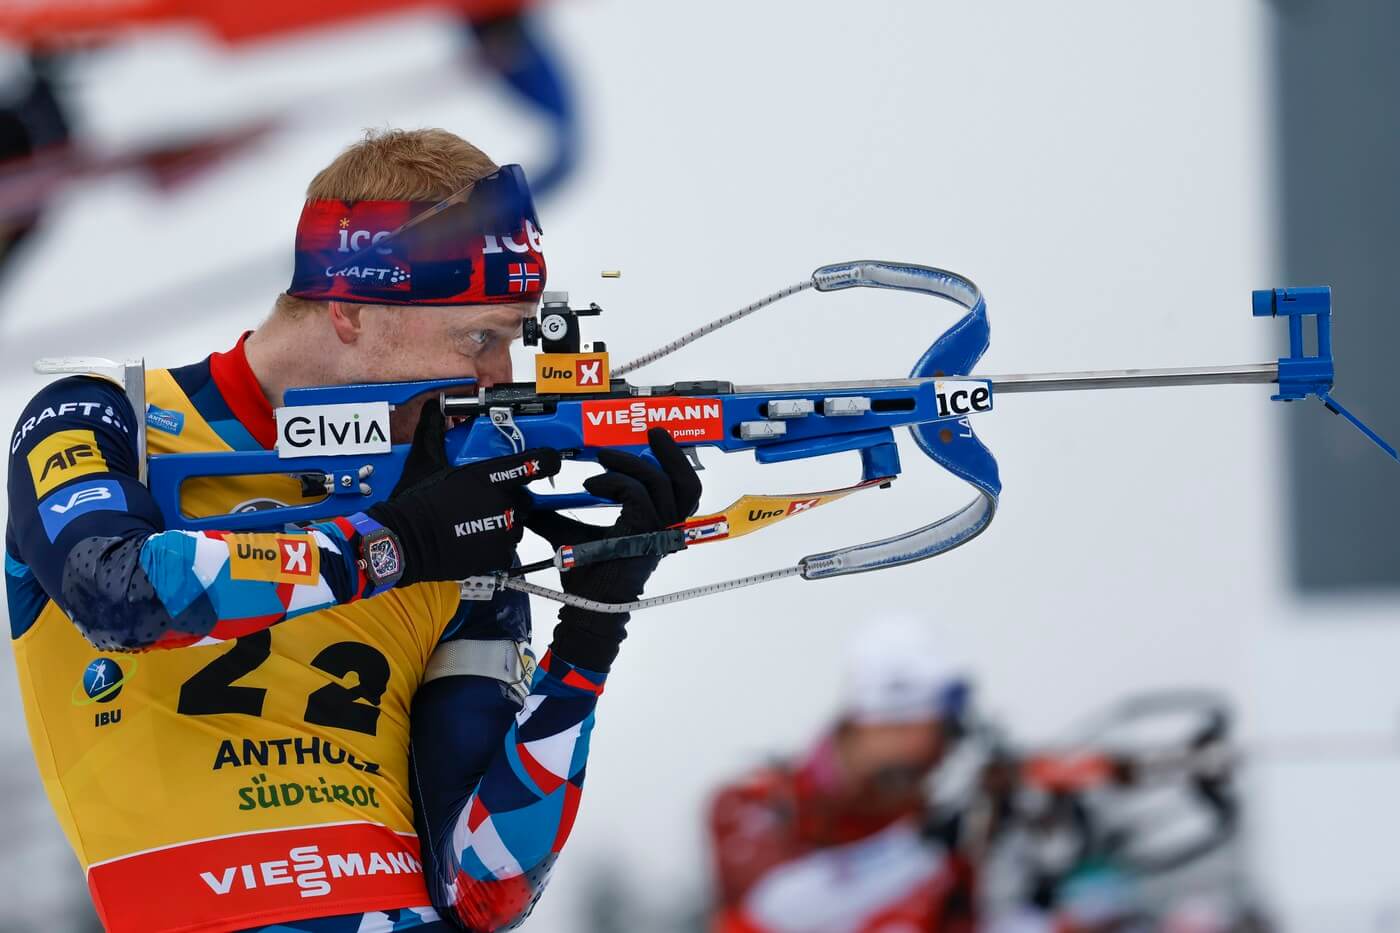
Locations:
102 680
101 683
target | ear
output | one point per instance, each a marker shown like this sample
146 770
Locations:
345 320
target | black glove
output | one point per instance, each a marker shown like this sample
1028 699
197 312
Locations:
427 456
458 522
652 498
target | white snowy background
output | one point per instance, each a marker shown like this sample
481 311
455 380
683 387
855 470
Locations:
1102 169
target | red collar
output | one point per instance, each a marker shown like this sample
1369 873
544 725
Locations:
241 392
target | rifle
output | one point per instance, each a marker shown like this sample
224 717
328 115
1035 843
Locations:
1145 789
335 439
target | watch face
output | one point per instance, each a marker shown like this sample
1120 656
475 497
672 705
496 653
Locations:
383 556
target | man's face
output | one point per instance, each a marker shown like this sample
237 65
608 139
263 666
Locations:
889 761
401 344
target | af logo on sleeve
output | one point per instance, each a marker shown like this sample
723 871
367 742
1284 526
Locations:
64 456
273 558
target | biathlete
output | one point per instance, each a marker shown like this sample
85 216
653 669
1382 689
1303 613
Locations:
836 839
333 741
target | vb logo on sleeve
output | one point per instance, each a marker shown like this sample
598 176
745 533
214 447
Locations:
64 456
98 495
273 558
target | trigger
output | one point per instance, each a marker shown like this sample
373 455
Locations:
693 455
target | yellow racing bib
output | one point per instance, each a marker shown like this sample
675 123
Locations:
243 783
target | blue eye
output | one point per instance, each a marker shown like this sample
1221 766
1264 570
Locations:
480 337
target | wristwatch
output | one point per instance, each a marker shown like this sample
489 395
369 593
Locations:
381 555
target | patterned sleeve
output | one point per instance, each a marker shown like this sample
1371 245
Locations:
490 838
95 542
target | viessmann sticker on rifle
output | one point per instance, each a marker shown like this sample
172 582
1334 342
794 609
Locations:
626 421
317 430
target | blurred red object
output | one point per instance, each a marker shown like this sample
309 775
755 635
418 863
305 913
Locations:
43 23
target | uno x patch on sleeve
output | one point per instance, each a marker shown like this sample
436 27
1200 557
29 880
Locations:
273 558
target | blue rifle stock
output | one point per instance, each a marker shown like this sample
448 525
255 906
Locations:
560 424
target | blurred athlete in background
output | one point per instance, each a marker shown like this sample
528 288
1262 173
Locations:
337 737
835 839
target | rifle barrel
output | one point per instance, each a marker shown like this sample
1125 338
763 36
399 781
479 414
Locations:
1241 374
1134 378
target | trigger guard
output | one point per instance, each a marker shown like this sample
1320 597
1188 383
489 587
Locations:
558 501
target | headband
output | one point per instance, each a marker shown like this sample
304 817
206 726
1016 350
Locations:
478 246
